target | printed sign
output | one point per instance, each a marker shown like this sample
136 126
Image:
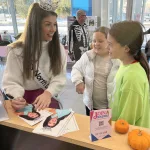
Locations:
100 124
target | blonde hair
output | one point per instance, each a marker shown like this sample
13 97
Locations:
103 30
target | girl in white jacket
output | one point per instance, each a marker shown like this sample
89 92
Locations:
93 74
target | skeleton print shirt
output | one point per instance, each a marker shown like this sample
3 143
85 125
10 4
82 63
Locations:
78 39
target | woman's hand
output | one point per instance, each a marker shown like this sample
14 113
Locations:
43 101
18 103
80 88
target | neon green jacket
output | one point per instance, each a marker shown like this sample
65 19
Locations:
130 99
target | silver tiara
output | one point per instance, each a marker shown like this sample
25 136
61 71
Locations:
48 5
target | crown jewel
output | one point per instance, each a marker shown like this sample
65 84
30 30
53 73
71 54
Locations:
48 5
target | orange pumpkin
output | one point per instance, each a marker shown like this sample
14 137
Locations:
121 126
139 139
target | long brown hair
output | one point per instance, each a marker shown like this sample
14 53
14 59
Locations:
130 33
31 41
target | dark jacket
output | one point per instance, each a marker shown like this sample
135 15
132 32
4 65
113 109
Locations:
78 39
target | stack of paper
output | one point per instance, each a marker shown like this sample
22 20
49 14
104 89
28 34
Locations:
54 122
58 123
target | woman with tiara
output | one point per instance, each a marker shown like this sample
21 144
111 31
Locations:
36 63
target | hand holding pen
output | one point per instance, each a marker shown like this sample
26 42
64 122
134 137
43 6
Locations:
17 103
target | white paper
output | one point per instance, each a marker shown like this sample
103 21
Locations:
58 128
71 126
32 116
43 113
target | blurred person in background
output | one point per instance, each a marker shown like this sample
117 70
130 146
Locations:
78 36
6 37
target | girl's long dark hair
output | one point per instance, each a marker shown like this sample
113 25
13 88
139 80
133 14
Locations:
31 41
29 118
45 124
130 33
33 111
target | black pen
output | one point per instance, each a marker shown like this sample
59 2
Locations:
9 96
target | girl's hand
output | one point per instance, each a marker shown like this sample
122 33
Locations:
18 103
43 101
80 88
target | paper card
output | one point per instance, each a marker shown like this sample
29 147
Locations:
71 126
100 124
31 116
54 124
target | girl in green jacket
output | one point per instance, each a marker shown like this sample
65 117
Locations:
130 98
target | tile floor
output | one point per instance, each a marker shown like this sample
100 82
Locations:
69 98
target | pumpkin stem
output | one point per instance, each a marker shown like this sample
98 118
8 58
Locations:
140 133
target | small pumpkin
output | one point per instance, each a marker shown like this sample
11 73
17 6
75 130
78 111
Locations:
121 126
139 139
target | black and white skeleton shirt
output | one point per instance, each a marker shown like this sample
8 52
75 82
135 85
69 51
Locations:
78 39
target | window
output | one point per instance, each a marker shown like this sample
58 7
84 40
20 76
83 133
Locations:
5 18
146 20
22 7
63 10
141 13
117 10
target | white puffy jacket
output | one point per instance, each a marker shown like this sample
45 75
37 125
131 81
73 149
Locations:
84 67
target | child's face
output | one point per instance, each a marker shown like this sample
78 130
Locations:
116 51
99 43
33 115
52 122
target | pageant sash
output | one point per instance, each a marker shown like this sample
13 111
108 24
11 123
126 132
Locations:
41 79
